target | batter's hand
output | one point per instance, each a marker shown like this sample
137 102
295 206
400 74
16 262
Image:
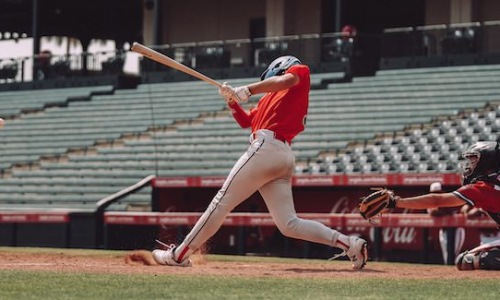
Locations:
226 91
240 94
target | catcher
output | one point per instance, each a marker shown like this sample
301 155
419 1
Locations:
481 188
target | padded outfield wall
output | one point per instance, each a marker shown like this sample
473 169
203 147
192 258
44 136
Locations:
178 202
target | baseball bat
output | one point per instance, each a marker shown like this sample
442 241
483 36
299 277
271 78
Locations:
169 62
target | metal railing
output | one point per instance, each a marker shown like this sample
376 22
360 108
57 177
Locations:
47 66
313 49
442 39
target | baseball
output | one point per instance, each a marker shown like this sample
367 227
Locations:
2 122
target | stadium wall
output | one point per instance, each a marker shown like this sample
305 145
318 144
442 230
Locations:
410 236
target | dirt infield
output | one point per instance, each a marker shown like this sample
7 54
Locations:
137 262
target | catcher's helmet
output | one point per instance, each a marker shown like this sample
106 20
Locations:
482 162
279 66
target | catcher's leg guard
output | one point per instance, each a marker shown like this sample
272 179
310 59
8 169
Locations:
467 261
490 260
481 260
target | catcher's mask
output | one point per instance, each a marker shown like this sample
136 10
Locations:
482 162
279 66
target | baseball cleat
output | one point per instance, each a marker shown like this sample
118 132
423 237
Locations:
357 252
166 257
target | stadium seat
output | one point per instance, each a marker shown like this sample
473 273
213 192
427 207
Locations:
397 121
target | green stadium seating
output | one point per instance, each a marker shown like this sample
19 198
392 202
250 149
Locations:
70 154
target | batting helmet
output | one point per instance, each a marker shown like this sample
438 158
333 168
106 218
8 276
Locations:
482 162
279 66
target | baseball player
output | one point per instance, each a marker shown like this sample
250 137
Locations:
267 165
481 188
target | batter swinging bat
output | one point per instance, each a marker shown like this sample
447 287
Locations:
167 61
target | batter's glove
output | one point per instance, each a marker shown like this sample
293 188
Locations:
376 203
240 94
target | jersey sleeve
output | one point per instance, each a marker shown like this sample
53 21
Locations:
302 71
480 194
464 197
240 115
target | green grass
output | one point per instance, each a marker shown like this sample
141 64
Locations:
57 285
51 285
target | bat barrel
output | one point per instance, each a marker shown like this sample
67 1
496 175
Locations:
169 62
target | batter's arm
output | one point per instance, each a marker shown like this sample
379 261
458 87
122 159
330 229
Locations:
274 84
432 200
240 115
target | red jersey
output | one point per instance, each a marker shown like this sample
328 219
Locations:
283 112
483 195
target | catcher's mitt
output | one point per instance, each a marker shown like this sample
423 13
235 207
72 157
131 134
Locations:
376 203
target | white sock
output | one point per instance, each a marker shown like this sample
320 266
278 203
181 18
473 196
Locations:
342 242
